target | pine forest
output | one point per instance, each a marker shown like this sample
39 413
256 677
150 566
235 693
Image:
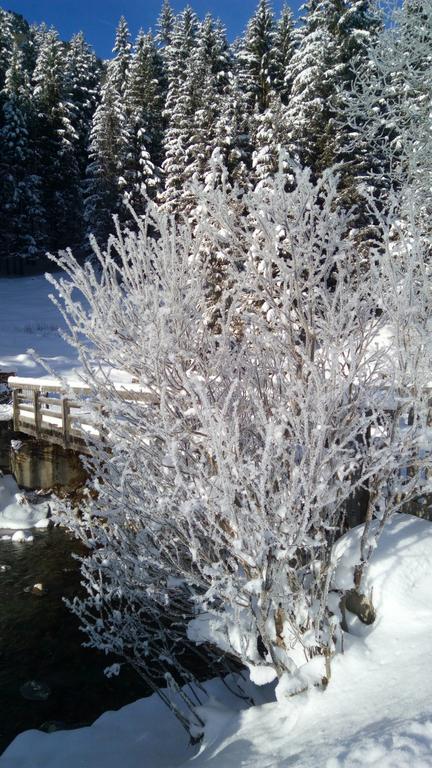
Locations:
84 140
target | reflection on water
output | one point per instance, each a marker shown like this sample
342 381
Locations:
40 640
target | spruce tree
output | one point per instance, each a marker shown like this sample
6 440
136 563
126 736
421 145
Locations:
207 82
165 24
335 36
256 58
56 145
82 83
21 212
233 150
177 111
144 101
110 167
270 140
357 31
309 110
6 43
284 47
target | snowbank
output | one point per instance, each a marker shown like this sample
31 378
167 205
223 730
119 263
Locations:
16 512
6 412
377 710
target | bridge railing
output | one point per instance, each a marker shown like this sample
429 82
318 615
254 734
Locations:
43 410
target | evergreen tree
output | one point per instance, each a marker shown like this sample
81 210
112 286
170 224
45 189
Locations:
144 99
110 168
389 110
6 43
256 58
336 35
284 47
178 106
56 145
82 81
309 111
233 150
357 30
119 66
203 94
165 24
21 211
269 140
207 84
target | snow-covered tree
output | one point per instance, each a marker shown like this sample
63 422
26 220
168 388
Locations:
222 481
108 141
285 40
198 72
82 79
165 24
144 103
56 145
256 58
21 210
6 43
336 35
270 138
110 168
388 107
177 56
233 150
309 72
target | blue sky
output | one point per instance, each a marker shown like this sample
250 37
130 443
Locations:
98 18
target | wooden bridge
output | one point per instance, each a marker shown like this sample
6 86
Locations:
42 409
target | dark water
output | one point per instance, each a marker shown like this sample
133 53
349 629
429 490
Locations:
40 640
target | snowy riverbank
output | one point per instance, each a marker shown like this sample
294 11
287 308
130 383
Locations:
17 511
377 710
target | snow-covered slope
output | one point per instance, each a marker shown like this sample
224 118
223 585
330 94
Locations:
377 710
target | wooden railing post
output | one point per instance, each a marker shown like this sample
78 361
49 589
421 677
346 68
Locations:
37 413
15 405
65 421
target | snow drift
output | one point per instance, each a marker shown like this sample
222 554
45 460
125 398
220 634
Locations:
376 711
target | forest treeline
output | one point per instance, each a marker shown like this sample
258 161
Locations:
82 139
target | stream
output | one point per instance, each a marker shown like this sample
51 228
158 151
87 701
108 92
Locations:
40 640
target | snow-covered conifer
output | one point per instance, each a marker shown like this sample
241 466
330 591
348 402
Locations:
144 103
119 65
232 140
388 109
285 40
82 78
256 57
6 43
103 194
56 144
165 24
336 35
24 230
110 169
270 139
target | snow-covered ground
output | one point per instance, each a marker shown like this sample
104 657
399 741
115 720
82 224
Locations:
29 320
376 711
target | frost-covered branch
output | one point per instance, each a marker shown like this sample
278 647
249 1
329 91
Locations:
221 488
